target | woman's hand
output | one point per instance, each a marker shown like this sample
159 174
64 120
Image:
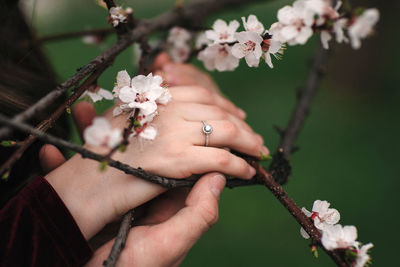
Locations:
175 222
96 198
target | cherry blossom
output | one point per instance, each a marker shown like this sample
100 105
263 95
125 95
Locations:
218 57
119 15
271 47
294 26
202 41
98 94
123 79
362 255
222 32
100 133
362 26
252 24
143 93
147 132
339 237
178 44
322 215
249 47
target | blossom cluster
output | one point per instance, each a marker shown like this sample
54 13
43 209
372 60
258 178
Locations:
138 97
223 46
336 236
119 15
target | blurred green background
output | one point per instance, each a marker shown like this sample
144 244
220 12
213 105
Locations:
348 148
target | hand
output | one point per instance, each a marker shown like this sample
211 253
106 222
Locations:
172 227
95 198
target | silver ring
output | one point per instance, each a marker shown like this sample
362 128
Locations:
207 130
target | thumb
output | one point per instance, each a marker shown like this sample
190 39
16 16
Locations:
50 158
200 213
160 61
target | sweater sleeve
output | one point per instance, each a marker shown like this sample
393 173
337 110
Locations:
38 230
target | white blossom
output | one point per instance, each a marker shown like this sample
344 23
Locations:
202 41
179 53
322 215
218 57
143 93
222 32
100 133
98 94
178 44
252 24
273 47
178 36
123 79
118 15
363 26
362 255
336 237
294 26
249 47
148 132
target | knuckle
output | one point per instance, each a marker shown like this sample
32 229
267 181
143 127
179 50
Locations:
231 129
218 112
223 158
209 214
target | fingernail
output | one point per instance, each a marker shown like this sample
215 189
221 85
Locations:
217 183
242 114
252 171
260 139
265 150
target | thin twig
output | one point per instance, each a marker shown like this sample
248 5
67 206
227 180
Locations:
101 33
120 240
280 167
49 122
191 13
262 177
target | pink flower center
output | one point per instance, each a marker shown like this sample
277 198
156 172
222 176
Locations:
141 98
314 215
249 46
222 52
223 36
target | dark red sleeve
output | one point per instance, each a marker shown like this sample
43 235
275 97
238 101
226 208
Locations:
38 230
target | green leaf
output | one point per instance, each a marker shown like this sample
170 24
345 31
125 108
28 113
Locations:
314 252
265 157
5 176
103 166
8 143
122 148
136 123
351 255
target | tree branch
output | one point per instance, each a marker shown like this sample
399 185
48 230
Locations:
262 177
120 240
280 167
192 13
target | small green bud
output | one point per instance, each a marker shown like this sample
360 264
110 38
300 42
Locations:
122 148
136 124
314 251
265 157
103 166
351 255
5 176
68 110
8 143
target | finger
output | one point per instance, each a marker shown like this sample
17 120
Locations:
160 61
83 113
226 134
200 213
186 74
50 158
199 112
198 94
207 159
162 207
